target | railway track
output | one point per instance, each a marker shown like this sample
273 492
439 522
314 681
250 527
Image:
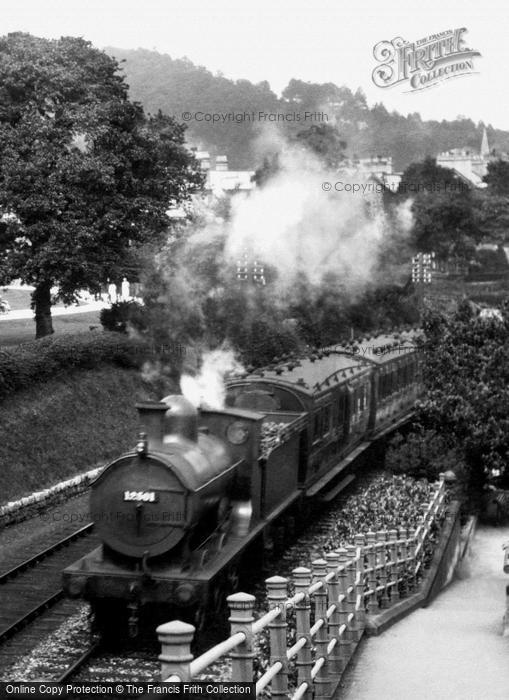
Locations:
33 585
76 665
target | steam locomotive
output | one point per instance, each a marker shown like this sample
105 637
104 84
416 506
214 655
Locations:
176 514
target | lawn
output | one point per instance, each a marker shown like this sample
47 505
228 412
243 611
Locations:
20 298
15 332
17 298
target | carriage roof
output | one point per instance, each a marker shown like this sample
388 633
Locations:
334 364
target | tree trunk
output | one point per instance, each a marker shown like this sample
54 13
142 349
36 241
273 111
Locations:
41 298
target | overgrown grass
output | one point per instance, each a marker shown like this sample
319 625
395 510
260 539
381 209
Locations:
65 425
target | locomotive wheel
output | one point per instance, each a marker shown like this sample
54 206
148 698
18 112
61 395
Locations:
109 619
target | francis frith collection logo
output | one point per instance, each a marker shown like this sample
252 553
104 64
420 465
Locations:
423 63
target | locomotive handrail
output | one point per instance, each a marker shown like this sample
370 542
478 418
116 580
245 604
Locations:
343 588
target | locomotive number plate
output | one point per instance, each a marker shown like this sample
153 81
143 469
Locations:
146 496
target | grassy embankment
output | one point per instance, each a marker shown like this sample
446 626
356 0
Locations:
66 407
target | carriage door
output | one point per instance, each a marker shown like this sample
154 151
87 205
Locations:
303 456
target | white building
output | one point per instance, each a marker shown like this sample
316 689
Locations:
468 164
220 180
378 169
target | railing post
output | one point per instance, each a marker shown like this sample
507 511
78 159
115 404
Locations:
321 639
428 513
332 568
304 662
373 600
381 538
175 657
351 551
393 544
403 566
359 585
345 643
277 595
427 521
241 620
411 546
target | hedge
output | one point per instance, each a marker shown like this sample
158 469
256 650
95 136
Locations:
43 359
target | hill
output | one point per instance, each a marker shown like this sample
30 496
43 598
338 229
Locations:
175 86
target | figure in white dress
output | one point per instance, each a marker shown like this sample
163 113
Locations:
112 293
125 289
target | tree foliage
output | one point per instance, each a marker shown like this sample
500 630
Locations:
466 376
422 454
325 143
445 211
85 177
497 177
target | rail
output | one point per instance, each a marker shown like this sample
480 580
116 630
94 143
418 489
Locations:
328 612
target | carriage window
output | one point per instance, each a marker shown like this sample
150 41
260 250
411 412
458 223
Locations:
392 380
326 420
341 409
316 426
361 399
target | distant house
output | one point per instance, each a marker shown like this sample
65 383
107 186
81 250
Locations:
219 179
219 182
378 170
468 165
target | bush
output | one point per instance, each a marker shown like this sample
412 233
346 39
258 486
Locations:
43 359
119 315
422 454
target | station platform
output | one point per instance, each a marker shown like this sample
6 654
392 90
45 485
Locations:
453 650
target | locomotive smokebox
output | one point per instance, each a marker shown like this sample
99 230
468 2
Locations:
146 502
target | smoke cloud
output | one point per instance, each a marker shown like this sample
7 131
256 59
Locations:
317 242
206 389
296 226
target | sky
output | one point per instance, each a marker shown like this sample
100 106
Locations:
276 40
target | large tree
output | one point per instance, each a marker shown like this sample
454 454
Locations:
444 210
466 375
85 176
324 142
497 177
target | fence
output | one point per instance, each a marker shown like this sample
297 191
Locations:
330 605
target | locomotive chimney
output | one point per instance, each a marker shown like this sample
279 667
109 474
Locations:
181 418
151 418
164 420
